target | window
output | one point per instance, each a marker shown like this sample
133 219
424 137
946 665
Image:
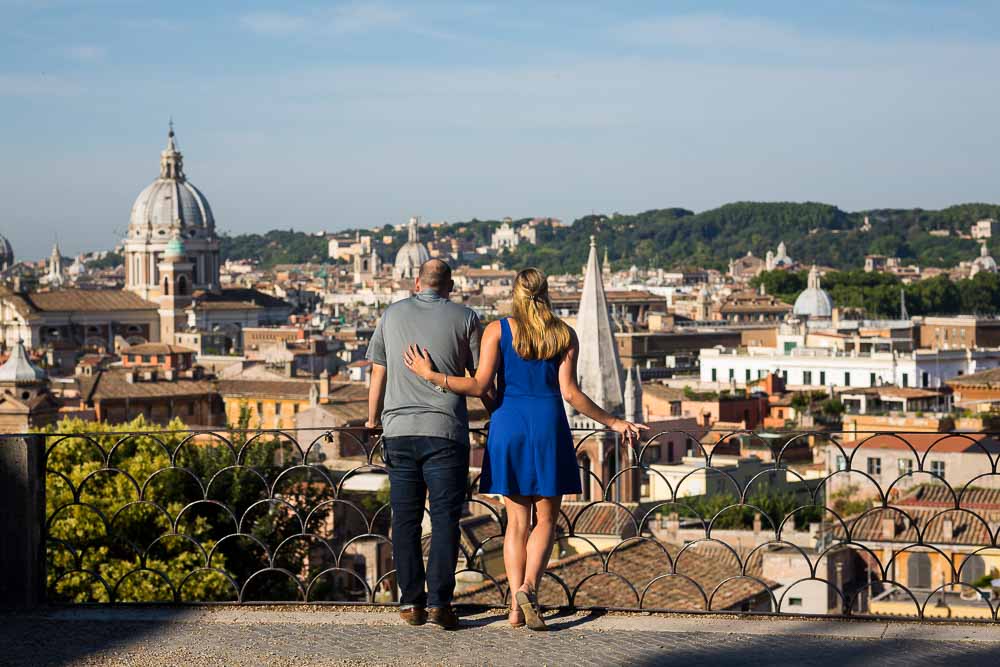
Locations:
906 379
874 465
794 602
847 379
654 454
807 377
937 468
277 408
973 568
822 378
295 408
918 570
714 375
260 410
191 409
841 462
732 373
748 375
781 414
784 376
871 380
145 358
905 466
924 380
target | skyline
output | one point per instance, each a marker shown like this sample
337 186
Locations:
300 116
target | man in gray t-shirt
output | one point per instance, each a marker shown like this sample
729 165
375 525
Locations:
426 437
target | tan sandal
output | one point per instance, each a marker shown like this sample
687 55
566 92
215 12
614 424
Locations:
520 614
529 607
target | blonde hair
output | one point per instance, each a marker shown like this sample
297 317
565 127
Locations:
540 332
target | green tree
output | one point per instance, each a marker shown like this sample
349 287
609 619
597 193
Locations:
153 507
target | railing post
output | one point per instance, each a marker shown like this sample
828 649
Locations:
22 521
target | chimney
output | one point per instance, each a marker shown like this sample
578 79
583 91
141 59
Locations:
130 377
948 528
756 524
888 528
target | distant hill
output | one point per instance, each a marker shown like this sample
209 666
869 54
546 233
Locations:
677 237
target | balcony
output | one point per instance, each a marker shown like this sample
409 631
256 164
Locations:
178 522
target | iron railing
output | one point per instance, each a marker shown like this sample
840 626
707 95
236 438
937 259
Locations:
886 524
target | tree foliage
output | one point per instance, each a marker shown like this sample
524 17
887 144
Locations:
152 517
877 294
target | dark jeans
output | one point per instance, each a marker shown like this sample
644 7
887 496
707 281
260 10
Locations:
418 465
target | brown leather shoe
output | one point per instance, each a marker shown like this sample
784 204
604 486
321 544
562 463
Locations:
443 617
413 615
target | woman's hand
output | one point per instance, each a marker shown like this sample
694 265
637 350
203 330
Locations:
418 361
627 429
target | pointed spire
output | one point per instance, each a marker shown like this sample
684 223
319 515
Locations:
598 367
633 395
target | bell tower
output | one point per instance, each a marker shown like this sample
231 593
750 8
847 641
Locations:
176 273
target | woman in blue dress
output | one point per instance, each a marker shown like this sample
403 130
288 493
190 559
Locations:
530 457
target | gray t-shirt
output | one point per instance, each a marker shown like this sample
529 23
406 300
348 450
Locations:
451 334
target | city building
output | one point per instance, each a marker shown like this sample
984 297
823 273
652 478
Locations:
987 228
958 332
411 255
891 460
813 302
977 392
984 263
170 203
119 395
25 400
822 368
505 237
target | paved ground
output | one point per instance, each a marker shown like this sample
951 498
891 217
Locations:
324 636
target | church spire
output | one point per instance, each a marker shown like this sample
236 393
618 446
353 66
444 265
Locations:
598 367
171 160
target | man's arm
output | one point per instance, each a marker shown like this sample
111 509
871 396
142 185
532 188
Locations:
376 386
376 396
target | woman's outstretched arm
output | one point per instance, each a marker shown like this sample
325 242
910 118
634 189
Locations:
419 361
572 394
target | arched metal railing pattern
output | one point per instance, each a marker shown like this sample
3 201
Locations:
811 523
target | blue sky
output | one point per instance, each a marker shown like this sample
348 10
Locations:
329 115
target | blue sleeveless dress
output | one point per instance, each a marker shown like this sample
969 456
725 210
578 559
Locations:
529 451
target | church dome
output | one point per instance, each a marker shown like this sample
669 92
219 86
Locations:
984 263
813 301
171 201
411 255
6 254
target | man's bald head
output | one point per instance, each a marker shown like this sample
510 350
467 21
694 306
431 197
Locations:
435 275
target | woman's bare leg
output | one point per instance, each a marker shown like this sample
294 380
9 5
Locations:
514 541
540 541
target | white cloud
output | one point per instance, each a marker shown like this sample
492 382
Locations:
85 53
